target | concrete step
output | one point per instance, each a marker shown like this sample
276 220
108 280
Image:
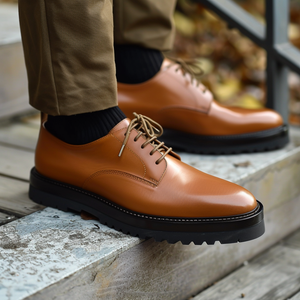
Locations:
50 254
13 79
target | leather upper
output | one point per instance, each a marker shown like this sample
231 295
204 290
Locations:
135 181
177 102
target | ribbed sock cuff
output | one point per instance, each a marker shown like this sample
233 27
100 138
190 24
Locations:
135 64
84 128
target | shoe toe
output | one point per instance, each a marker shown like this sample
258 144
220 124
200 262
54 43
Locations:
258 119
220 198
234 200
273 118
205 195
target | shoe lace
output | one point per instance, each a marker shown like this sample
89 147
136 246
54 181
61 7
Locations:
188 67
151 130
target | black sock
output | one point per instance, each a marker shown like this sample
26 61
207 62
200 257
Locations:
84 128
135 64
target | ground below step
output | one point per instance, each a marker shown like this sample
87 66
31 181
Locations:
273 275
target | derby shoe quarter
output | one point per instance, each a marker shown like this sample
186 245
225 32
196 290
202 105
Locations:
135 181
174 100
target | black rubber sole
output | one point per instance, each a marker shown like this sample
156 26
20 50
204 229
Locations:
226 230
230 144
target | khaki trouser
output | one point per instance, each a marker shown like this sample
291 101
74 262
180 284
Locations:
68 47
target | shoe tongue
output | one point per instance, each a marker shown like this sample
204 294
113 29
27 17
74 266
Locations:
123 124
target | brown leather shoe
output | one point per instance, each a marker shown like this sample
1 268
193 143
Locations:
194 122
134 183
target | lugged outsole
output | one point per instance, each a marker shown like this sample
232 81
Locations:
68 198
261 141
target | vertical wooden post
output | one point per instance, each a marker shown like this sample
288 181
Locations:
277 19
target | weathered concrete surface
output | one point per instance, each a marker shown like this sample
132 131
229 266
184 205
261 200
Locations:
39 249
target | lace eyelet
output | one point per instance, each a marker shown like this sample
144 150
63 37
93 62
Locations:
150 130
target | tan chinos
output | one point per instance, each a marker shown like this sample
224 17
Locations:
68 48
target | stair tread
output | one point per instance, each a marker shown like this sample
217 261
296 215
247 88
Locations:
49 250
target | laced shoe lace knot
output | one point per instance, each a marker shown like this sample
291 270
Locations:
151 130
188 67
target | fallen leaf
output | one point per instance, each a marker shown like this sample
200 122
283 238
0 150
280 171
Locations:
226 90
248 101
184 25
244 164
87 216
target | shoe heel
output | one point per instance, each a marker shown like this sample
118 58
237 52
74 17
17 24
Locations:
47 199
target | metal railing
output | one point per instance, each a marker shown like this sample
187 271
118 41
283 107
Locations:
273 37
